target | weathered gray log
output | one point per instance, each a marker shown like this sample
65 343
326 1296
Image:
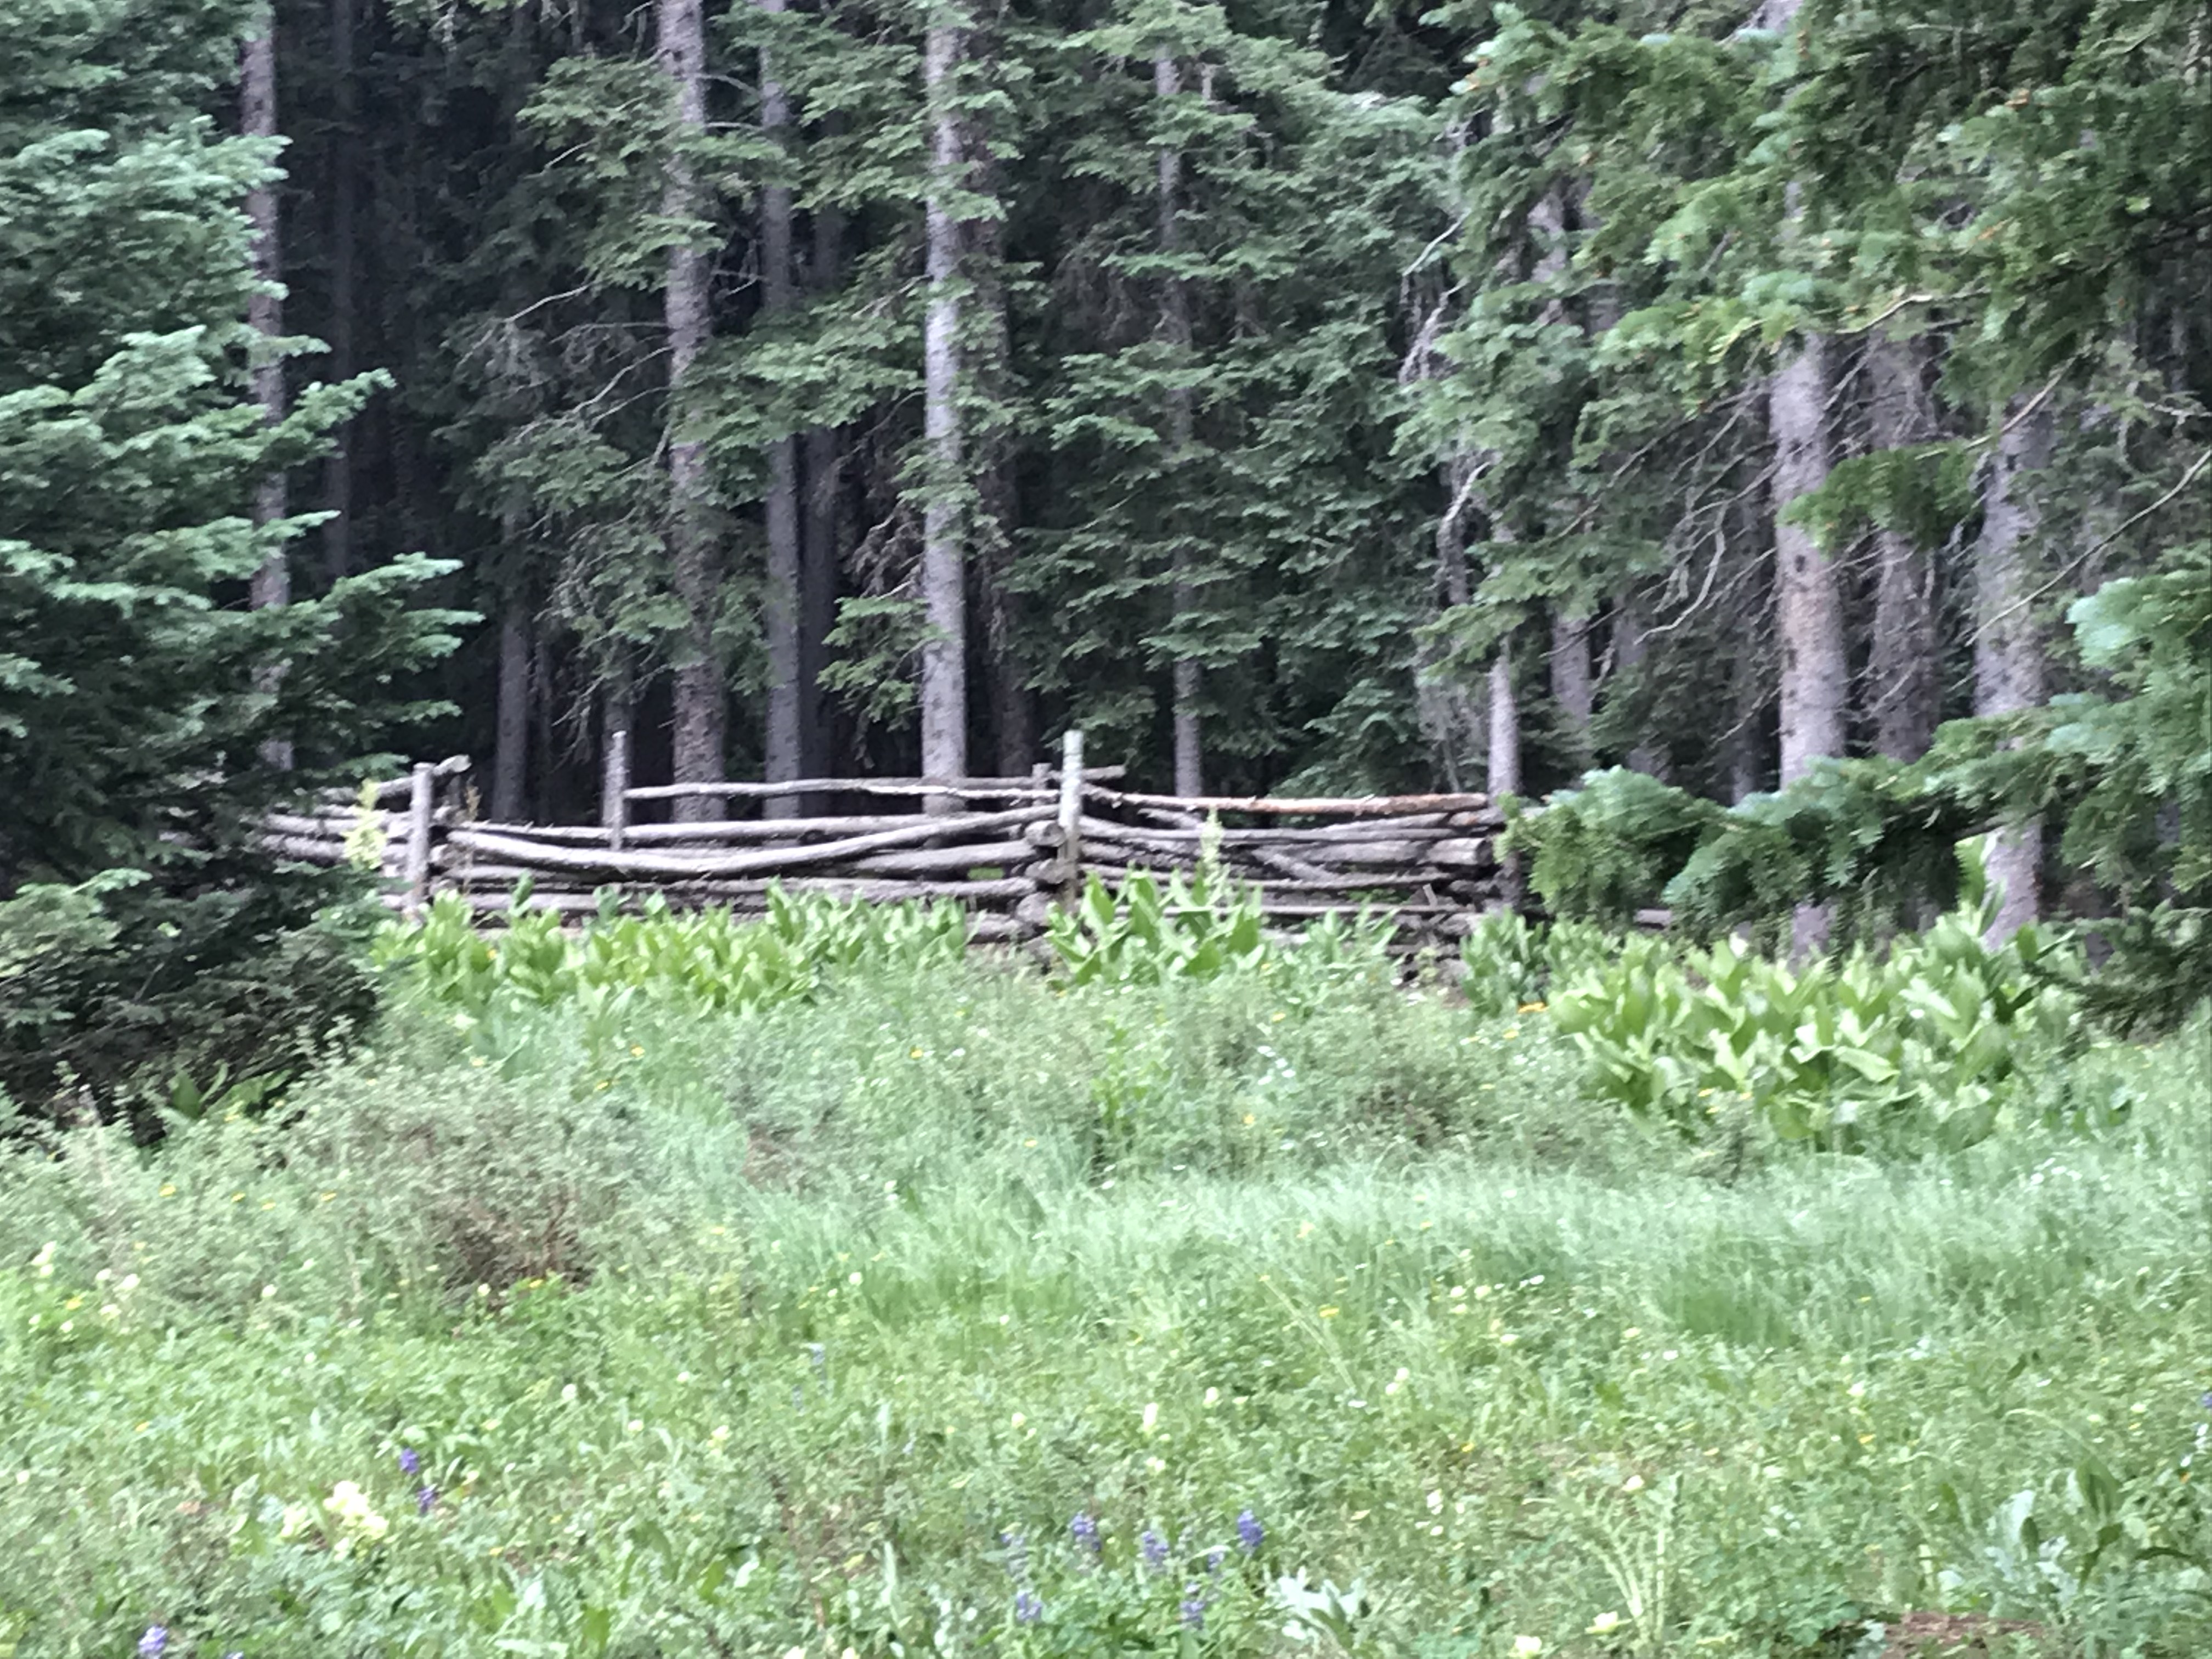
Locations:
1414 880
947 860
540 855
1293 806
1155 848
1171 820
966 788
1314 840
422 801
305 849
338 824
1053 874
1321 843
726 830
1472 853
752 896
1069 815
614 807
396 792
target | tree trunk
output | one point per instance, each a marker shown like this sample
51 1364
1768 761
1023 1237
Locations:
1502 774
271 584
542 718
1809 600
943 575
510 722
1815 676
345 184
1631 645
1176 329
617 710
780 609
1901 673
817 573
1448 716
1808 593
2008 664
1010 703
1746 750
265 308
699 699
1572 691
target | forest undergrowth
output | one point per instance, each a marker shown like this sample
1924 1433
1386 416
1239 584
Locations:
953 1307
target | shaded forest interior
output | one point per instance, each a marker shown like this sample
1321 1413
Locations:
1296 398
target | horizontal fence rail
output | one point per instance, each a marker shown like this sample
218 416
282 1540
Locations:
1007 849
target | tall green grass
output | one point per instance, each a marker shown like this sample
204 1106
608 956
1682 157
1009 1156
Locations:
743 1332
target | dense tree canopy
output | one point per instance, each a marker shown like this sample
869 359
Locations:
147 714
1293 397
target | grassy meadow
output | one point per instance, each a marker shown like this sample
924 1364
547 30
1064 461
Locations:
949 1309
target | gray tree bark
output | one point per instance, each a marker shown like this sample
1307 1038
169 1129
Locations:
783 747
1502 776
1902 670
699 701
944 561
2008 660
511 719
345 183
1809 592
1448 714
1176 329
1815 679
1631 645
817 574
542 721
1573 689
1011 705
272 584
265 308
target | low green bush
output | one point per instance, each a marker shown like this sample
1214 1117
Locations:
801 1396
121 1002
1508 962
1927 1046
1147 932
704 960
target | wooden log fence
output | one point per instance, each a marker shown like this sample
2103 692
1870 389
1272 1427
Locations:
1007 849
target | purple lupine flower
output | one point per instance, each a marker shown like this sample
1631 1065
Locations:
1214 1557
1018 1553
410 1464
153 1642
425 1500
1194 1608
1250 1535
1084 1529
1028 1608
2205 1400
1153 1548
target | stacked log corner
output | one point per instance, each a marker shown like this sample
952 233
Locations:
1009 850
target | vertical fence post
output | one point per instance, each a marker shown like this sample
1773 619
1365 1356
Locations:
422 802
614 802
1071 811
